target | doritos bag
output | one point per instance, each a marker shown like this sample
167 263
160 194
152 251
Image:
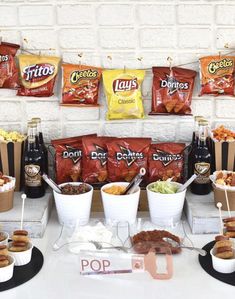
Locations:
8 68
125 158
172 90
38 74
80 84
166 160
68 159
217 75
123 93
94 159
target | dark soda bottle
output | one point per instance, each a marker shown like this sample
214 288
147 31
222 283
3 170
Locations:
37 120
201 162
33 164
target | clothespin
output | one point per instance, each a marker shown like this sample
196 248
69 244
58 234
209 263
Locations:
169 60
80 56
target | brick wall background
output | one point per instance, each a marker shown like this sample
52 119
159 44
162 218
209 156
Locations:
124 30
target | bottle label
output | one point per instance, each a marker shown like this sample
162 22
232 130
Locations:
32 175
202 169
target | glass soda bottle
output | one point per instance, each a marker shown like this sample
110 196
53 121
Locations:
33 164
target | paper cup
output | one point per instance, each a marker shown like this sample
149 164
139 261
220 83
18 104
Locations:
6 200
120 207
22 257
165 209
222 265
73 208
5 241
6 273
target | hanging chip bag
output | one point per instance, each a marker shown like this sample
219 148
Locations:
80 84
38 74
123 93
172 90
8 68
217 75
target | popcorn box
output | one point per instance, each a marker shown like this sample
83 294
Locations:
6 200
223 155
11 154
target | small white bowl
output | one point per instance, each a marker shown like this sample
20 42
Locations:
22 257
5 241
222 265
120 207
6 273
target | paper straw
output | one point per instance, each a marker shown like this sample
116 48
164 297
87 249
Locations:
23 196
219 206
228 207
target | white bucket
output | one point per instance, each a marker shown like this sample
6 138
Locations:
120 207
6 273
222 265
165 209
73 209
21 257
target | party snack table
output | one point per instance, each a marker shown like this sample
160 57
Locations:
59 277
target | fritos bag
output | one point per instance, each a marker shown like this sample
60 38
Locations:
172 90
38 74
166 160
8 68
217 75
126 156
68 159
80 84
123 93
94 159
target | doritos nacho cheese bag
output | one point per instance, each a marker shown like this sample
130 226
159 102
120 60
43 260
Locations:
80 84
123 93
37 74
172 90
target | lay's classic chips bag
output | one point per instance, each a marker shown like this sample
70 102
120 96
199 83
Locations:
123 93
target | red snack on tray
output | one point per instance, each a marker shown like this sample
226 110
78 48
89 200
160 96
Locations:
172 90
94 159
80 84
126 156
8 68
217 75
68 159
166 160
37 74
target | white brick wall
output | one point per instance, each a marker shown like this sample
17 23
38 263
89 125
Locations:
124 30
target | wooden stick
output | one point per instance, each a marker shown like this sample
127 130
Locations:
226 196
219 206
23 196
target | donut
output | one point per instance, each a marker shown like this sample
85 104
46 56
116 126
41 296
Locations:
225 255
228 219
3 250
223 243
17 246
4 261
221 238
21 236
230 234
2 237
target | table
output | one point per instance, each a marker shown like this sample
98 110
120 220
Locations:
59 277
